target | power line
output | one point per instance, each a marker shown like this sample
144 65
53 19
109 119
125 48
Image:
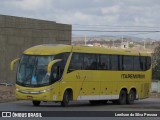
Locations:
114 35
41 22
139 33
114 26
86 30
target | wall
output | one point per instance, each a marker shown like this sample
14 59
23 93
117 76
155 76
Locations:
155 86
18 34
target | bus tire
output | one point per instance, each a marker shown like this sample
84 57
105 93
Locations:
131 97
122 97
36 103
66 98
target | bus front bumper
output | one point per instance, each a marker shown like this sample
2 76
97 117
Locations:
46 96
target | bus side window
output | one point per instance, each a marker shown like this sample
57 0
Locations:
136 63
142 63
63 56
90 62
128 63
114 62
76 62
103 62
57 71
147 62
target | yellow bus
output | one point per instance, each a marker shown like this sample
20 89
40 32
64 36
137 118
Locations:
64 73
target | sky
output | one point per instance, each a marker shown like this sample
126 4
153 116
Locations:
95 15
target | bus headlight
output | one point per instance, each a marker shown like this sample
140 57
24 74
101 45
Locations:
46 90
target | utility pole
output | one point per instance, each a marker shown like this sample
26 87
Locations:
122 42
144 44
113 43
122 38
85 41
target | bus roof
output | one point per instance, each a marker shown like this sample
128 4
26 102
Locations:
48 49
51 49
102 50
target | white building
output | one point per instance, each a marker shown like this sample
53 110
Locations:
124 45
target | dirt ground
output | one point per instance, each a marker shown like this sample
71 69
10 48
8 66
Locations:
155 95
7 93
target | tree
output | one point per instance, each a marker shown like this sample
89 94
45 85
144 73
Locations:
156 62
131 45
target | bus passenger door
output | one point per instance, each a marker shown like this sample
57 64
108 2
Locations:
74 79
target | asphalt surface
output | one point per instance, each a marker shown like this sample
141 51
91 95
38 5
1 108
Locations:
150 104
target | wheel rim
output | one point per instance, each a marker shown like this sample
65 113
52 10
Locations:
131 96
122 98
67 98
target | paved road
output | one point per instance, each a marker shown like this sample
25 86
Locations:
150 104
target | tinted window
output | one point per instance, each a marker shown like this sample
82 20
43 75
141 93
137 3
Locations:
58 68
114 62
103 62
83 61
148 63
76 62
63 56
142 63
57 71
90 62
127 63
136 63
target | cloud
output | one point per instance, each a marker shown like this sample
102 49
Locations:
82 17
87 19
95 12
74 18
30 5
111 10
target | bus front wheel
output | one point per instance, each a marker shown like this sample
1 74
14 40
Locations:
131 97
122 97
36 103
66 99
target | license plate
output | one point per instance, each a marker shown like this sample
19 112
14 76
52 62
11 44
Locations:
29 97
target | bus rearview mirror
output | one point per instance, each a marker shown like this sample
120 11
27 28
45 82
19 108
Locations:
13 62
51 64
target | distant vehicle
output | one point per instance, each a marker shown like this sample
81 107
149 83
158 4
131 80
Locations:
62 73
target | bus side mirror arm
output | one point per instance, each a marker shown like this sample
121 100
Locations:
51 64
13 62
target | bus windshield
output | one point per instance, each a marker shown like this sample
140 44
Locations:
32 70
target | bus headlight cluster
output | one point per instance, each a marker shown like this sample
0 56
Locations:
46 90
